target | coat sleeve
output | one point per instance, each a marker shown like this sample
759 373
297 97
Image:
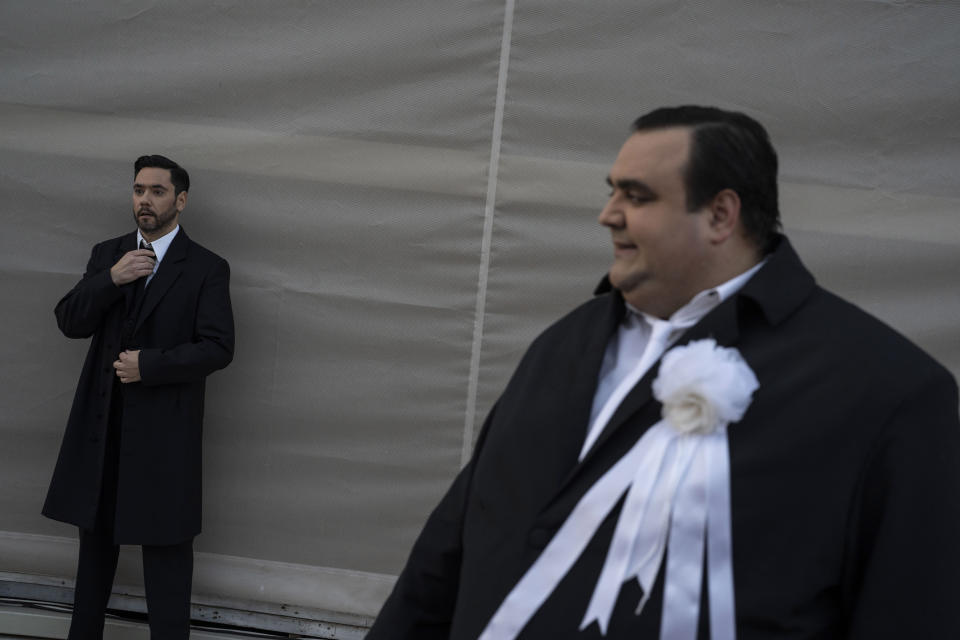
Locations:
81 312
905 551
212 345
422 602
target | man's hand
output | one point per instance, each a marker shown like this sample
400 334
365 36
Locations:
128 365
134 264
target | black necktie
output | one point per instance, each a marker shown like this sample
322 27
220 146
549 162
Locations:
133 310
141 283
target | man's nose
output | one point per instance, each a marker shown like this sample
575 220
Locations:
610 215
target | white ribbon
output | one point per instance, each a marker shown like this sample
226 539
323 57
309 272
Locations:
701 509
678 497
571 539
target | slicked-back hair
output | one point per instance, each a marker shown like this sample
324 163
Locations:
178 175
728 150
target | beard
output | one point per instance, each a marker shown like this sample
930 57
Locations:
150 220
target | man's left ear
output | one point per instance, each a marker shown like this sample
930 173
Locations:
724 215
181 201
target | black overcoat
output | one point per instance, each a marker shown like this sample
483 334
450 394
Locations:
845 477
185 332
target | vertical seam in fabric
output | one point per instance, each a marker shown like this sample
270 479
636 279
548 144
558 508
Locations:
488 213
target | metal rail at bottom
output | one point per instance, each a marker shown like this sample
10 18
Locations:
30 604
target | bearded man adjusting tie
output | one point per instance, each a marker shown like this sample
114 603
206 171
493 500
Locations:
157 306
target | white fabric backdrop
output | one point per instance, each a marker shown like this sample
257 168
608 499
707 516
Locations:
407 193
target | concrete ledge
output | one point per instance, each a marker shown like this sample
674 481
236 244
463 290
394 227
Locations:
353 597
24 623
49 605
318 602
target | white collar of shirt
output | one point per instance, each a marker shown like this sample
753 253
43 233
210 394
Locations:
626 359
159 246
704 302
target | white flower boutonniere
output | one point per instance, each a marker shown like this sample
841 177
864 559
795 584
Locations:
703 386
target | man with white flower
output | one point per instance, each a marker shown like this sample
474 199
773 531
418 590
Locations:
713 447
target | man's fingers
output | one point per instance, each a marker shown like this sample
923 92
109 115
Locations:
143 263
139 254
133 265
139 258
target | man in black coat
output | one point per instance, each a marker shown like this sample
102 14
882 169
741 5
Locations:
129 471
844 471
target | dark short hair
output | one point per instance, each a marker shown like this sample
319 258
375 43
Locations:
178 175
728 150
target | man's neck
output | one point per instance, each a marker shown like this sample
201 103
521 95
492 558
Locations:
153 236
150 236
665 308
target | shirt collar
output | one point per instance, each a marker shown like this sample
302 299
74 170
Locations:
704 302
161 244
734 284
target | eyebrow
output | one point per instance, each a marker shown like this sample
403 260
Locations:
630 184
149 186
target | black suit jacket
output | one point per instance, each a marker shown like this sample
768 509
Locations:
185 332
845 478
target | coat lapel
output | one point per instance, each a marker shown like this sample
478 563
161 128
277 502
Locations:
586 368
167 273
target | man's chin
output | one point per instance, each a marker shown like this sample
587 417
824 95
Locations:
634 287
624 282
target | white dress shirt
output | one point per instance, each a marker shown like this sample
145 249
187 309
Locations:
159 246
640 341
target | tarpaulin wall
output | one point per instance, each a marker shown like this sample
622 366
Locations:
407 193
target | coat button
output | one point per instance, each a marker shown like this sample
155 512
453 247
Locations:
539 537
